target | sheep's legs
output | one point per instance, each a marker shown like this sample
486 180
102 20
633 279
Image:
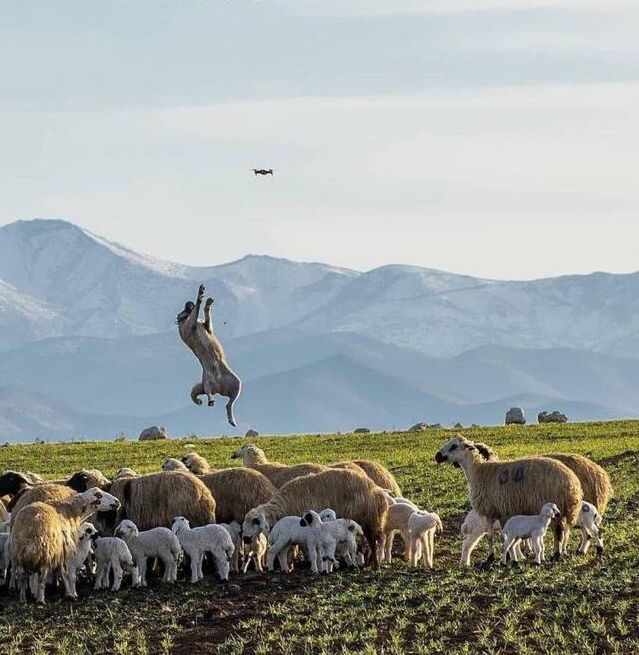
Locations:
42 581
431 538
559 531
508 542
470 543
194 569
538 547
117 576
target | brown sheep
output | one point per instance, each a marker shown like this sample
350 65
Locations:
236 491
279 474
351 496
47 492
196 464
381 476
153 501
499 490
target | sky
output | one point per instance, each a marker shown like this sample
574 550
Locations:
496 138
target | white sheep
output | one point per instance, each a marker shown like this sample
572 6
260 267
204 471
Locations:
157 542
294 530
234 528
341 543
588 522
257 547
396 521
210 538
347 548
520 527
111 554
421 534
328 515
86 535
474 527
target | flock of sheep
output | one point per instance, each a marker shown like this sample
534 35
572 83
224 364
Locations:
347 513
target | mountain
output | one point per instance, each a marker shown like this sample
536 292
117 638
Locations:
88 342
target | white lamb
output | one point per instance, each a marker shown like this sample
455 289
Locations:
520 527
474 527
589 521
421 534
234 528
111 554
294 530
157 542
328 515
86 536
257 547
347 548
341 543
210 538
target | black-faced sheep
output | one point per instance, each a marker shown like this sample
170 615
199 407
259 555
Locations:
347 493
501 489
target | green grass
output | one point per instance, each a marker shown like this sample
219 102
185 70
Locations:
581 605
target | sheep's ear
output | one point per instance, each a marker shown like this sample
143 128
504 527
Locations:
303 523
309 517
256 521
351 527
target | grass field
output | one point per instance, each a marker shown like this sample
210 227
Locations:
579 606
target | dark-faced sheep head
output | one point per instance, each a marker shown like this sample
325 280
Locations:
12 482
454 451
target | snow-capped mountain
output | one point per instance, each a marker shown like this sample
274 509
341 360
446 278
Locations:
88 326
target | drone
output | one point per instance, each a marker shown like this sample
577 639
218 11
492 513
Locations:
263 171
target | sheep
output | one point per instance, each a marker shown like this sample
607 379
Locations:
236 491
293 530
258 545
396 521
421 533
328 514
196 464
534 527
198 336
589 522
474 527
195 542
125 472
594 480
43 537
13 482
157 542
499 490
153 500
348 493
5 555
279 474
86 535
234 528
342 544
111 554
84 479
172 464
381 476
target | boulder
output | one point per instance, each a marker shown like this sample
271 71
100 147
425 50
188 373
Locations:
361 430
436 426
516 416
552 417
458 426
153 433
252 433
418 427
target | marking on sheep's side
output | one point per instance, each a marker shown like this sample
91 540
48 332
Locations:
517 477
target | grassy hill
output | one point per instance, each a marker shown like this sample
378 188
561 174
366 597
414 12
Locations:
581 605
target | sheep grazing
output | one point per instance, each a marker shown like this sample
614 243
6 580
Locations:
501 489
257 548
474 527
86 535
279 474
172 464
421 533
196 542
396 521
347 493
125 472
43 537
111 554
40 493
236 491
381 476
520 527
196 464
152 501
157 542
589 522
198 336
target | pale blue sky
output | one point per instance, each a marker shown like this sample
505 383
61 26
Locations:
492 137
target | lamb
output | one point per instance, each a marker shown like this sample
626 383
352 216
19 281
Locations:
195 542
172 464
328 514
347 547
421 533
111 554
293 530
5 555
474 527
589 522
196 464
499 490
43 538
198 336
236 491
152 501
348 493
258 545
397 521
279 474
521 527
157 542
342 543
85 538
234 528
125 472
